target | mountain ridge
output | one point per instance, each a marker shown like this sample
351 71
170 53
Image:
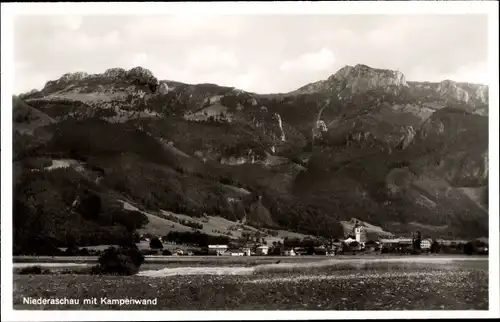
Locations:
118 72
365 143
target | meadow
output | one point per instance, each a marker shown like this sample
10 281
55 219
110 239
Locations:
432 283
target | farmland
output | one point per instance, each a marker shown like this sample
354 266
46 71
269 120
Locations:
431 283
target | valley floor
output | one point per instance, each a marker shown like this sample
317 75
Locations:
410 283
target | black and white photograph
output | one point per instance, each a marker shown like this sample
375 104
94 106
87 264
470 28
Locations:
219 157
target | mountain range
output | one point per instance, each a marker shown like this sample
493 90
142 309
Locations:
364 143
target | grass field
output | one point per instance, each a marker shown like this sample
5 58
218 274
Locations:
180 259
351 284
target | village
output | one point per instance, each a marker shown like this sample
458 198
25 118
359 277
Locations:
355 243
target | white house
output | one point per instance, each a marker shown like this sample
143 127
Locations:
425 244
234 252
349 240
217 249
405 241
330 252
289 252
262 250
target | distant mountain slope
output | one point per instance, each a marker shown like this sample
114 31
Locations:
26 118
365 143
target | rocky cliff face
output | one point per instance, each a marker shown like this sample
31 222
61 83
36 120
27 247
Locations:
111 81
117 95
136 74
471 97
351 80
463 92
362 78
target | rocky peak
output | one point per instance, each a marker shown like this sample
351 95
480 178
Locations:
73 76
464 92
163 88
140 72
358 79
137 75
361 78
143 76
114 73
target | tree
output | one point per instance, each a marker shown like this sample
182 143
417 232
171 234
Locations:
417 241
435 247
119 261
136 237
131 220
155 243
90 206
346 248
72 251
34 270
469 248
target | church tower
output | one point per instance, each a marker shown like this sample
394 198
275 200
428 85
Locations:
359 233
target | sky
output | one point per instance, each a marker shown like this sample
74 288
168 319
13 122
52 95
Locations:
259 53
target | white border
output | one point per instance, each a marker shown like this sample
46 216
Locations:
256 7
494 194
8 11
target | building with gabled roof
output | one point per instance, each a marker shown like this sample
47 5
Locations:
234 252
217 249
262 250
